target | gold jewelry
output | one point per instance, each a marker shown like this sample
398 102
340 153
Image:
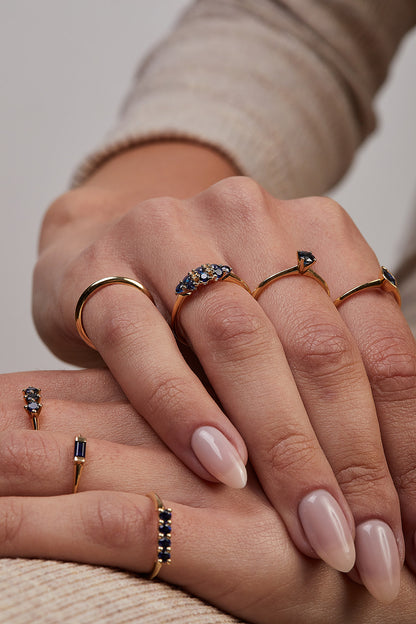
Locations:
386 282
305 260
200 276
80 449
92 288
164 534
33 405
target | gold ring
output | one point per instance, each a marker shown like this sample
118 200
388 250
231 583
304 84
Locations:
305 260
386 282
164 534
202 275
33 405
92 288
80 449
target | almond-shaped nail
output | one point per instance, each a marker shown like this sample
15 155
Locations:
327 530
378 560
219 456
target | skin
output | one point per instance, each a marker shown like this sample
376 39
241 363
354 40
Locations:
281 368
250 569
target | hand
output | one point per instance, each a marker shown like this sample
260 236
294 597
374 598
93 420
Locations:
282 368
228 546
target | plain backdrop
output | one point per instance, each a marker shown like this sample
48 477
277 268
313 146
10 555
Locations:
64 68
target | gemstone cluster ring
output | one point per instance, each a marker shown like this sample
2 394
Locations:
386 282
201 276
303 267
33 405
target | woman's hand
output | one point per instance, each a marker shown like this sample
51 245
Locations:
307 387
229 547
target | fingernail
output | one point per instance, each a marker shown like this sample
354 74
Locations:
378 560
219 457
327 530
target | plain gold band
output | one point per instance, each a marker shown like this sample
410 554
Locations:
180 300
292 271
381 282
92 288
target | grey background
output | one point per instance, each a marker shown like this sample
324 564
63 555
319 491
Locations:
64 67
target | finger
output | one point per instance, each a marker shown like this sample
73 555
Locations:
87 401
242 355
335 390
389 353
139 348
40 463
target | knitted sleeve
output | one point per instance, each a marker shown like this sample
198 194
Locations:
284 88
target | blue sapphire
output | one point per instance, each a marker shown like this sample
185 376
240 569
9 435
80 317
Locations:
226 269
389 276
80 447
189 283
31 392
203 275
180 288
165 529
307 257
217 270
164 556
164 543
165 515
32 407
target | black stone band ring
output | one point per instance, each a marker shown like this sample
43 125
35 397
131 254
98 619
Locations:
164 515
33 405
305 260
91 289
386 282
80 450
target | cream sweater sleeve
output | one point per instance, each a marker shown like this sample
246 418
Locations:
284 88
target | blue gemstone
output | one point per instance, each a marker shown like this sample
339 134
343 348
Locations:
226 269
180 288
31 392
189 282
32 407
307 257
389 277
80 448
164 542
165 529
165 515
163 556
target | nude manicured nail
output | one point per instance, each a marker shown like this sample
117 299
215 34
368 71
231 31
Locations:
327 530
378 560
219 456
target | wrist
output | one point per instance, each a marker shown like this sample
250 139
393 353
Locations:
178 169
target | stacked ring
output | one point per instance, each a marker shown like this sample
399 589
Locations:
92 288
201 276
80 449
303 267
33 405
164 534
386 282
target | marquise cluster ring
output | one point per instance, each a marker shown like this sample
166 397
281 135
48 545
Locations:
94 287
386 281
303 267
201 276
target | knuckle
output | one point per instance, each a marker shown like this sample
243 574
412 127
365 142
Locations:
322 349
22 455
244 198
294 451
121 329
11 518
405 482
364 479
391 366
237 329
168 392
116 521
